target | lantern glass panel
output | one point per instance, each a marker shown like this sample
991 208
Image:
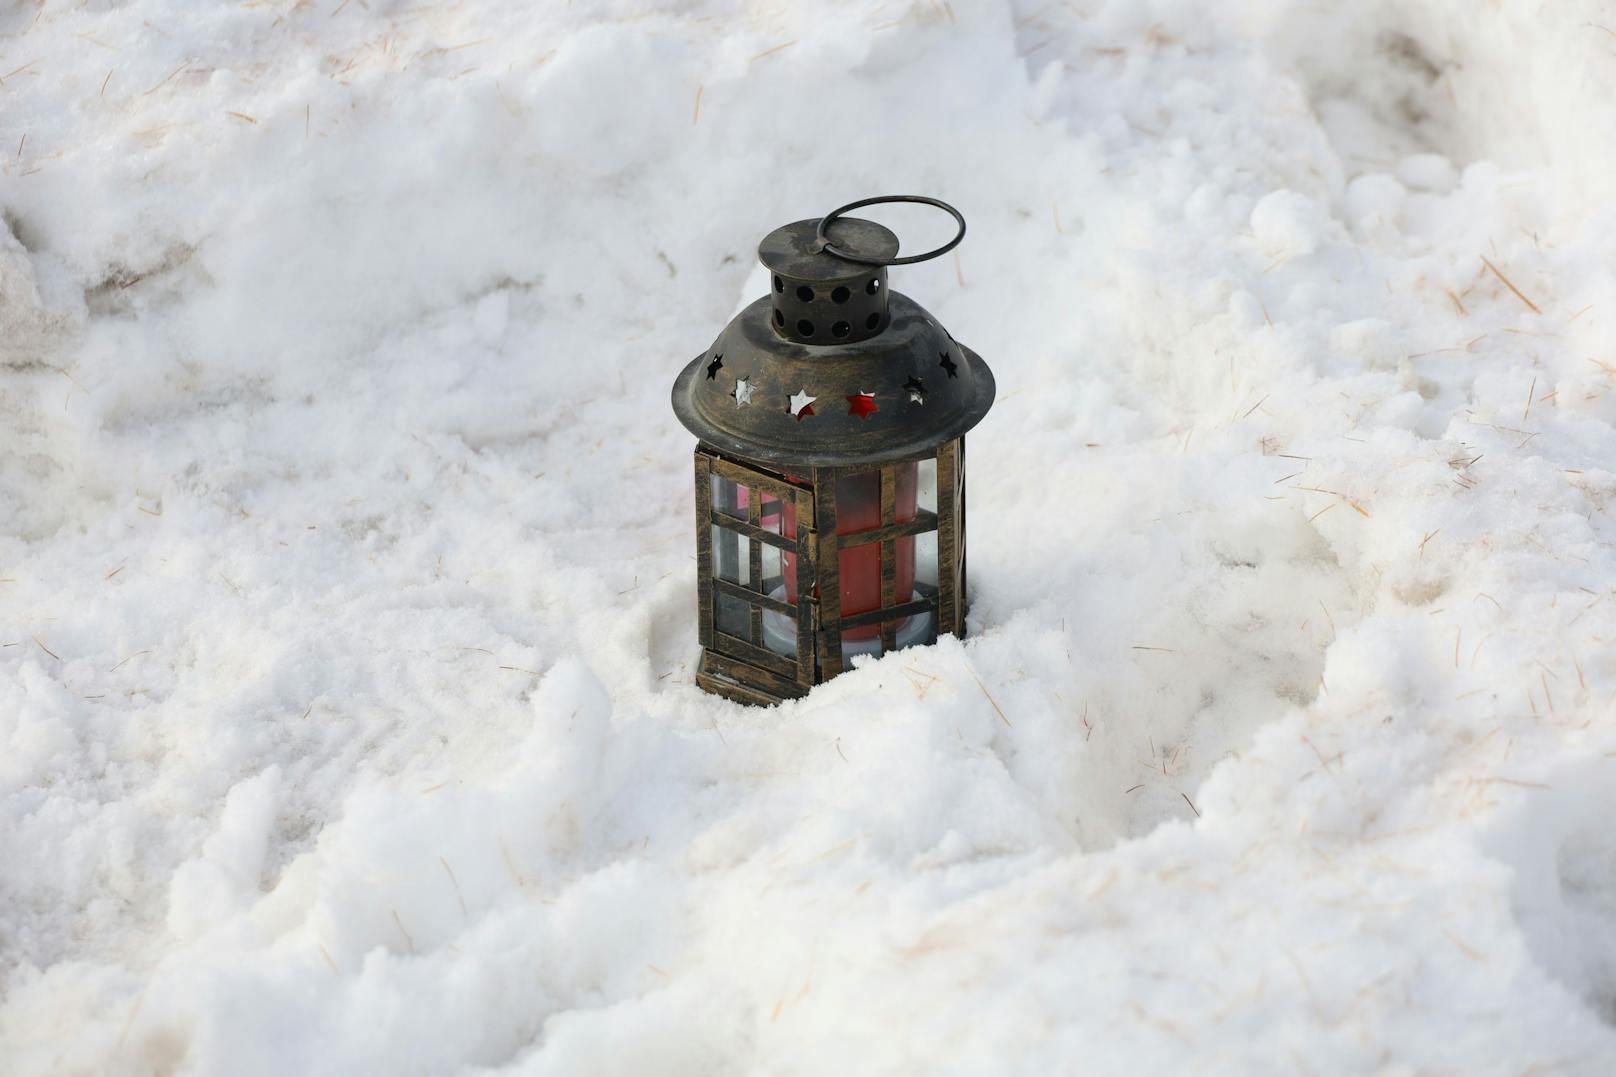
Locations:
730 616
730 556
858 508
751 563
926 541
914 557
729 498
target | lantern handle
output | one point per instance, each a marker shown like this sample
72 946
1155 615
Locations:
821 242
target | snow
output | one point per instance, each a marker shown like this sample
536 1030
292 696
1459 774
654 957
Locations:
347 721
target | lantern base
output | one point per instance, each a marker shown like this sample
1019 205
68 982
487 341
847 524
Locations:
713 675
745 683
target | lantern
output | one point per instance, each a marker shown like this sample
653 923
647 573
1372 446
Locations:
830 469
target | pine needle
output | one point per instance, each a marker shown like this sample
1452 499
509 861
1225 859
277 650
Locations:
771 52
1518 293
167 79
454 882
999 710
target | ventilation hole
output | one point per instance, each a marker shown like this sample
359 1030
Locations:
779 318
805 328
806 294
841 329
779 285
872 321
874 285
840 295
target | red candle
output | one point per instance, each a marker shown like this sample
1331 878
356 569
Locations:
858 508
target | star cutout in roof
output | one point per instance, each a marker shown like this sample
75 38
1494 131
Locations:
948 365
862 405
917 390
712 367
802 405
743 392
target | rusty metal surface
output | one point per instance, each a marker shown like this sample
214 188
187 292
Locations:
794 250
832 368
918 389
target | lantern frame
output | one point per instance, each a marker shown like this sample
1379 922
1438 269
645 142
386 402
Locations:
746 669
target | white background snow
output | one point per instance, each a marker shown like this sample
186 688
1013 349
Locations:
347 721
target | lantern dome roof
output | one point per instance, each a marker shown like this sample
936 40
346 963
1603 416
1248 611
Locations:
831 368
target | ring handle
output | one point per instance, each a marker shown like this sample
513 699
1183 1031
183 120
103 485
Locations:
823 243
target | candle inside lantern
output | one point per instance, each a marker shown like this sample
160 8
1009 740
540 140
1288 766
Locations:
858 508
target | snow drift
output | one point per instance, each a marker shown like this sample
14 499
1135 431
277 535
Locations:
346 629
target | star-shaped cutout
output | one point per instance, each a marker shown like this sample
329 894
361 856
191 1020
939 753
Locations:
712 367
862 405
948 364
743 392
917 390
802 405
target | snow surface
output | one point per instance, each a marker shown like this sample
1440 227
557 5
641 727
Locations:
347 721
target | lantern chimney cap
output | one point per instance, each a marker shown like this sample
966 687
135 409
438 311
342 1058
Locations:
788 252
795 253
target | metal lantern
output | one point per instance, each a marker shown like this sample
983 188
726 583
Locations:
830 470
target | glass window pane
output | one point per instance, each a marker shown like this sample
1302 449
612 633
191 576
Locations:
780 633
779 575
858 508
926 543
913 631
773 520
771 515
732 560
926 484
774 584
730 617
728 498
